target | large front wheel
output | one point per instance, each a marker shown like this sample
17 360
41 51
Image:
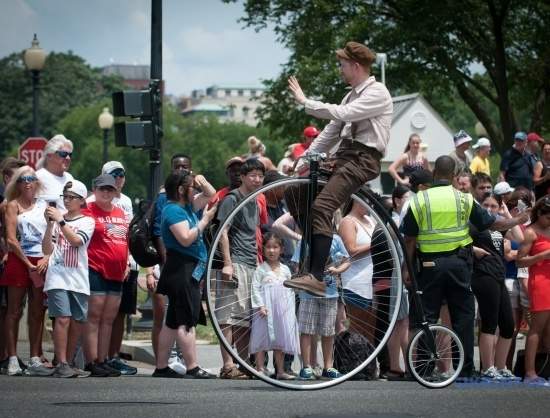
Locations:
354 323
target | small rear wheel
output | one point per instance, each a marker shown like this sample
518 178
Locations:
435 361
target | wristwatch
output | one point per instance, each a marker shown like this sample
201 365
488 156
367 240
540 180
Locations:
62 223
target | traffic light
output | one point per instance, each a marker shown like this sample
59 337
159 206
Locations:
143 107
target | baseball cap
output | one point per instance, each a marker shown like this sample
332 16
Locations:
520 136
105 180
233 160
461 137
77 187
111 166
502 188
311 132
533 136
482 142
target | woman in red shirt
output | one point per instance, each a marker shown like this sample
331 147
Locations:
108 268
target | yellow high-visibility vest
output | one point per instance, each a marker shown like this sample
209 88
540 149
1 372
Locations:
442 215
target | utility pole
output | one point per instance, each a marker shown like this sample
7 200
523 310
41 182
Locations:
155 153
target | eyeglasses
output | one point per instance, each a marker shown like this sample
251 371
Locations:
27 179
69 197
64 154
118 173
255 175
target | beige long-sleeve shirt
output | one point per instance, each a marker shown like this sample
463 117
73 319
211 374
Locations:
368 105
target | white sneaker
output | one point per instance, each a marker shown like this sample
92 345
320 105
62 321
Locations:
36 368
177 364
508 376
490 375
13 367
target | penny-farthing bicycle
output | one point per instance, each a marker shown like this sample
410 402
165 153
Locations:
435 355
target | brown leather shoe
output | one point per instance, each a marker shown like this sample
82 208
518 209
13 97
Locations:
308 283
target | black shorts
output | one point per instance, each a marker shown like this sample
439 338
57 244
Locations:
184 292
128 302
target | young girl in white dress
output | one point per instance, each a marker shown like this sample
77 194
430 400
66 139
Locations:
274 324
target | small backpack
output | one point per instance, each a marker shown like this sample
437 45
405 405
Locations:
350 350
140 236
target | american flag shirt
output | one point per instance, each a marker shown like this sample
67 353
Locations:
68 265
108 249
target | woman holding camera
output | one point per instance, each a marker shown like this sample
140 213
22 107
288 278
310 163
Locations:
25 267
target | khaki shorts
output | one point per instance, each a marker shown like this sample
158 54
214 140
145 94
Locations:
518 297
233 305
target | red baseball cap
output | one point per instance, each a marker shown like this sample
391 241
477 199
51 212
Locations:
533 136
311 132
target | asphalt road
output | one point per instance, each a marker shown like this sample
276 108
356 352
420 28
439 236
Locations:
143 396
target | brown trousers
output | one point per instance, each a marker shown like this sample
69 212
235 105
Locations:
353 165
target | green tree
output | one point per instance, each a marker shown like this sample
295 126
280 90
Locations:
66 82
432 47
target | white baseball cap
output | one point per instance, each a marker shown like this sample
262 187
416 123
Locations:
502 188
111 166
482 142
78 188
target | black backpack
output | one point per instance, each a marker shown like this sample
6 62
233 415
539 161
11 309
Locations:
350 350
140 236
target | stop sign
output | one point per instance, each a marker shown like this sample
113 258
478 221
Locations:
31 150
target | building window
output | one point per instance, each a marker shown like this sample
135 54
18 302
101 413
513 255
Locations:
231 112
228 93
246 112
253 93
240 93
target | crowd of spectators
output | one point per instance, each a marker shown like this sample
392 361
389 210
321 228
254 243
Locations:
65 252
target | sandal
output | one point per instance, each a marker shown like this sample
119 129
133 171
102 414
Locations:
536 381
285 376
232 373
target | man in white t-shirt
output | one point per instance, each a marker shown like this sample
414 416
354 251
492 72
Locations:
128 301
66 241
52 169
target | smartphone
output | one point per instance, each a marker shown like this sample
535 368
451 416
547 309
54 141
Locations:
521 206
213 203
52 204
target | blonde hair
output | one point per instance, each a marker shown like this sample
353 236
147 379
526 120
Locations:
255 146
54 144
12 192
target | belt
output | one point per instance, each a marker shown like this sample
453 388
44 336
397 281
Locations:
353 144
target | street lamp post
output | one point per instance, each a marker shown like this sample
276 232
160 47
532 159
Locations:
35 58
105 121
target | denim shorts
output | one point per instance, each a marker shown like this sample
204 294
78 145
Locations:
63 302
352 298
99 286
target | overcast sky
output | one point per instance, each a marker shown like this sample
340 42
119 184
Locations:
203 42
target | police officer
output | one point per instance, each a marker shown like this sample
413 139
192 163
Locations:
436 229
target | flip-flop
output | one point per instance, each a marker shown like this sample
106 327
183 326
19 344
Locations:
536 381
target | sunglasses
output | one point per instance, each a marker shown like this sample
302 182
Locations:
27 179
106 188
69 197
118 173
64 154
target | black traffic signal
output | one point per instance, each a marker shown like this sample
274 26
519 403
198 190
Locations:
143 106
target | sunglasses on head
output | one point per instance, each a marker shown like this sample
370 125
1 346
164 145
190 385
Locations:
27 179
64 154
